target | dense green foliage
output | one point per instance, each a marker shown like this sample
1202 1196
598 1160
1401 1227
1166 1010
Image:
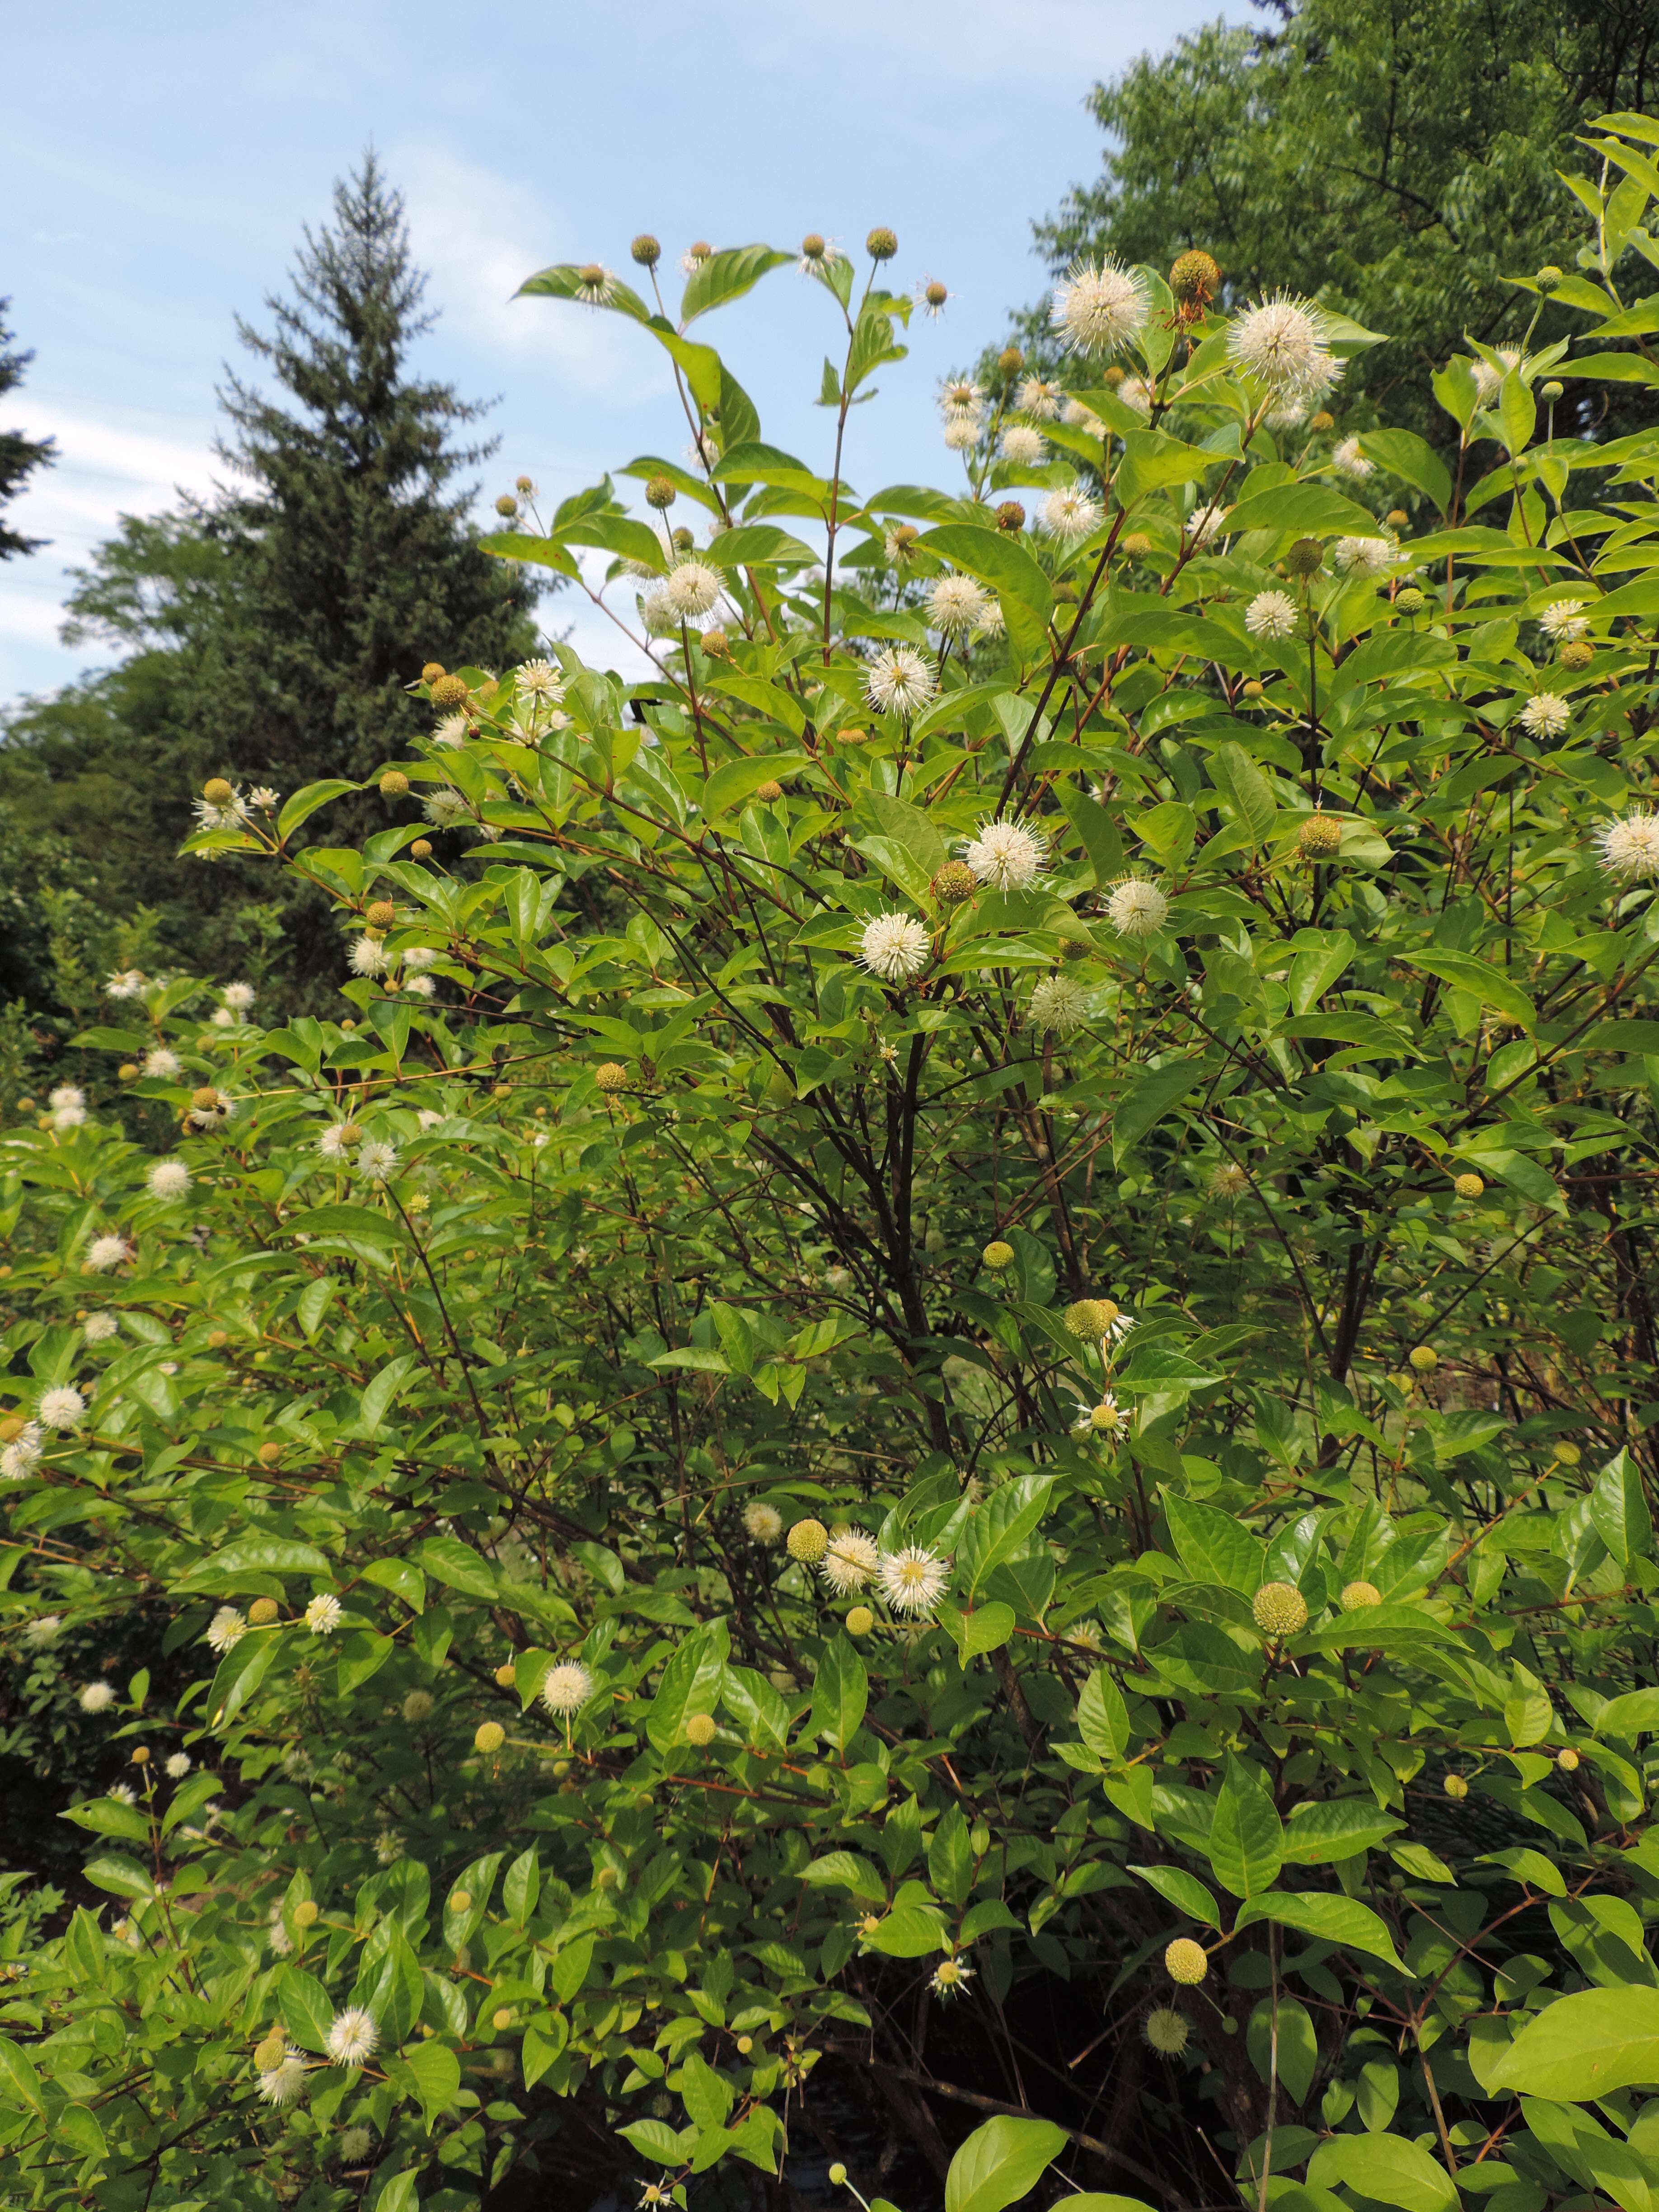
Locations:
274 628
942 1400
1398 158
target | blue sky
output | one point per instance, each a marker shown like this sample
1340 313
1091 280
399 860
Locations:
156 172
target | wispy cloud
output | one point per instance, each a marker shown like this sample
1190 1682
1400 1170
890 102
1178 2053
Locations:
480 234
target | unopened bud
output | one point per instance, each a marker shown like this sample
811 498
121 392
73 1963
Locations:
421 849
305 1913
270 1453
1010 516
217 791
1306 557
1547 278
261 1610
659 493
381 914
882 244
507 504
490 1734
1011 361
645 251
432 671
394 783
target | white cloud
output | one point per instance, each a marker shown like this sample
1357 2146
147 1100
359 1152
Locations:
31 620
479 234
967 41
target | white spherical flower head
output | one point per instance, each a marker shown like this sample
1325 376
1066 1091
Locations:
1036 396
1630 846
1285 345
1077 416
122 1793
179 1766
281 2084
68 1117
445 808
692 589
960 397
168 1179
353 2037
1289 415
323 1613
1005 854
849 1560
1071 513
449 730
913 1580
422 985
107 1252
763 1522
961 433
22 1455
540 679
1204 522
567 1688
893 946
1026 447
227 1629
1059 1003
368 957
1137 908
160 1063
97 1697
376 1160
239 997
1137 394
1100 306
1271 614
1546 715
61 1407
1563 620
334 1143
126 983
954 605
1351 461
99 1327
66 1095
354 2145
994 623
1489 378
899 679
44 1631
1366 557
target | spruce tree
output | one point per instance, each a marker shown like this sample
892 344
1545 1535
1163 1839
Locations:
353 563
19 456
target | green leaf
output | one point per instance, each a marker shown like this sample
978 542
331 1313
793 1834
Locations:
107 1816
360 1223
910 1931
1213 1547
1388 2169
1097 830
1338 1828
738 779
988 1628
1246 1843
726 276
447 1560
1329 1917
306 801
1000 1525
840 1690
402 1577
1000 2163
1517 412
385 1386
1246 790
432 2074
306 2008
563 281
1146 1102
1311 510
1297 2052
1586 2045
1635 1713
20 2084
994 558
568 1970
1316 967
951 1859
1184 1891
1102 1718
1482 981
845 1870
1618 1510
1413 459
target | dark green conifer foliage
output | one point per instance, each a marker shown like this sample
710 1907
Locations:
354 564
19 456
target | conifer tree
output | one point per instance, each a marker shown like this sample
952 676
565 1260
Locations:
19 456
352 561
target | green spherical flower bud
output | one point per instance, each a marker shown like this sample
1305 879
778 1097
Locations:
611 1075
955 882
1280 1609
1547 278
1320 836
882 244
646 251
217 791
699 1728
490 1736
659 493
861 1621
1567 1760
997 1256
1423 1358
394 783
1410 601
305 1913
838 2175
1468 1186
1185 1962
507 504
1011 517
1194 276
1455 1786
1167 2030
1306 557
1551 391
1577 655
808 1540
1357 1595
1088 1319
